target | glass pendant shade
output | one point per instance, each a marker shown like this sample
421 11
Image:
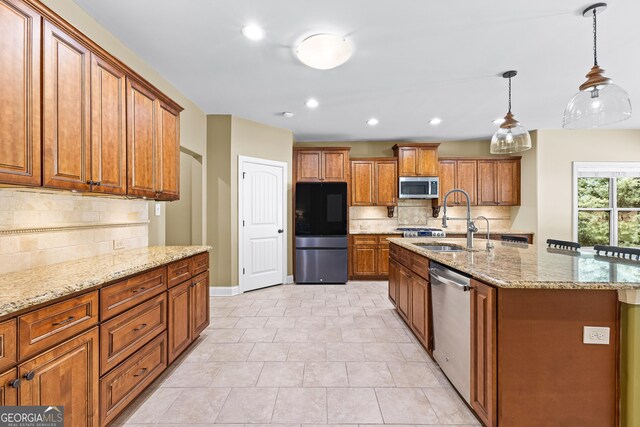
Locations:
508 140
597 106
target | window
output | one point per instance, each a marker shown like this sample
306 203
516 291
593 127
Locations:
607 204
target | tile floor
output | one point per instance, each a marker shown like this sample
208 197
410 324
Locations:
296 355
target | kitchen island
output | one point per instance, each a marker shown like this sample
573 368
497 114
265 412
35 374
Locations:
529 306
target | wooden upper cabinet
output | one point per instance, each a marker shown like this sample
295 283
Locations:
108 121
447 178
66 110
386 182
168 157
487 183
321 164
20 157
362 183
141 139
417 159
499 182
467 180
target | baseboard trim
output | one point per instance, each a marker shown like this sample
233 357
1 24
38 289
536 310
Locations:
224 291
289 279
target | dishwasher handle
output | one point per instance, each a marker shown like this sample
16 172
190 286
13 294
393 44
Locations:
436 276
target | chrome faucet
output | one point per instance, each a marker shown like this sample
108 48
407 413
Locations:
471 228
489 244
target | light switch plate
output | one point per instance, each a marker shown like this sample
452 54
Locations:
158 209
595 335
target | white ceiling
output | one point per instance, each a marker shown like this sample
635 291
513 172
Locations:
413 60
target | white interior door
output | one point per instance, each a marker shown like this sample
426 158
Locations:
262 223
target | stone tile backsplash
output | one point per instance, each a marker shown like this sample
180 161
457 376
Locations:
41 227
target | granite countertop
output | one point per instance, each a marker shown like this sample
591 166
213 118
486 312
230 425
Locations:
21 290
481 231
375 232
511 265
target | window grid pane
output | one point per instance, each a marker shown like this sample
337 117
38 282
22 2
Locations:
594 228
594 193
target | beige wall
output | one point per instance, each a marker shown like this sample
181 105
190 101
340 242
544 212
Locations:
525 216
229 137
193 125
383 148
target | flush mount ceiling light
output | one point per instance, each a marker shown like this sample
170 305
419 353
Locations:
287 114
435 121
511 137
253 32
373 121
599 102
312 103
324 51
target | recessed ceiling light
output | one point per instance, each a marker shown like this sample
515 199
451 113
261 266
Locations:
435 121
312 103
253 32
498 121
373 121
324 51
287 114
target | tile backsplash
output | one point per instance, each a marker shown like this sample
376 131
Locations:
40 227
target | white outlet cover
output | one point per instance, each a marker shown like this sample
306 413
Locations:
596 335
158 209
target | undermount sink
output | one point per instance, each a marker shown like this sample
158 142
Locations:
439 247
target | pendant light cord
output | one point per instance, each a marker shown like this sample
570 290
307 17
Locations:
595 39
509 94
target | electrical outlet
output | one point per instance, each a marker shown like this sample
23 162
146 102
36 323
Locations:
158 209
595 335
118 244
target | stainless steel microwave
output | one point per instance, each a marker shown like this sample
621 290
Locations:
418 187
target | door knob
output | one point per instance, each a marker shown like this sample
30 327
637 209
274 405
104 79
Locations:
281 231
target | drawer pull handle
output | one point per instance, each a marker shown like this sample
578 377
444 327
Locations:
141 327
29 375
142 372
62 322
15 383
135 291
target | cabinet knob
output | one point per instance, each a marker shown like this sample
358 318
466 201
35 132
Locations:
90 182
98 183
15 383
280 231
29 375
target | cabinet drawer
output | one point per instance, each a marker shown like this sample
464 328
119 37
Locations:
179 271
394 252
120 386
8 394
382 240
51 325
365 240
420 265
8 353
121 336
200 263
405 257
121 296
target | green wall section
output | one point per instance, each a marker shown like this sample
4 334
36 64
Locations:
630 369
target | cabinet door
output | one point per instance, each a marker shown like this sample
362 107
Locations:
404 293
141 139
467 180
383 260
66 110
179 325
386 182
393 280
67 376
199 294
362 183
407 161
334 164
419 308
309 166
508 182
167 177
427 164
9 388
108 124
20 94
483 352
364 260
487 188
447 175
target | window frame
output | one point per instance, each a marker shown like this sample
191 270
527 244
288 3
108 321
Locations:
611 171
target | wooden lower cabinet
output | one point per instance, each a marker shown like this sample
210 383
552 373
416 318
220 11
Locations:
393 280
404 293
199 314
8 345
9 384
369 257
419 308
484 371
364 261
66 375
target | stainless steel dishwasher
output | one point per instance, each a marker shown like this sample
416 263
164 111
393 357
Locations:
452 325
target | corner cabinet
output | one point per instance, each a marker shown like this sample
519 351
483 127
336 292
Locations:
321 164
68 124
374 182
417 159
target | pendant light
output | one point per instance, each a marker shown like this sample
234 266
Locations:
512 137
599 102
